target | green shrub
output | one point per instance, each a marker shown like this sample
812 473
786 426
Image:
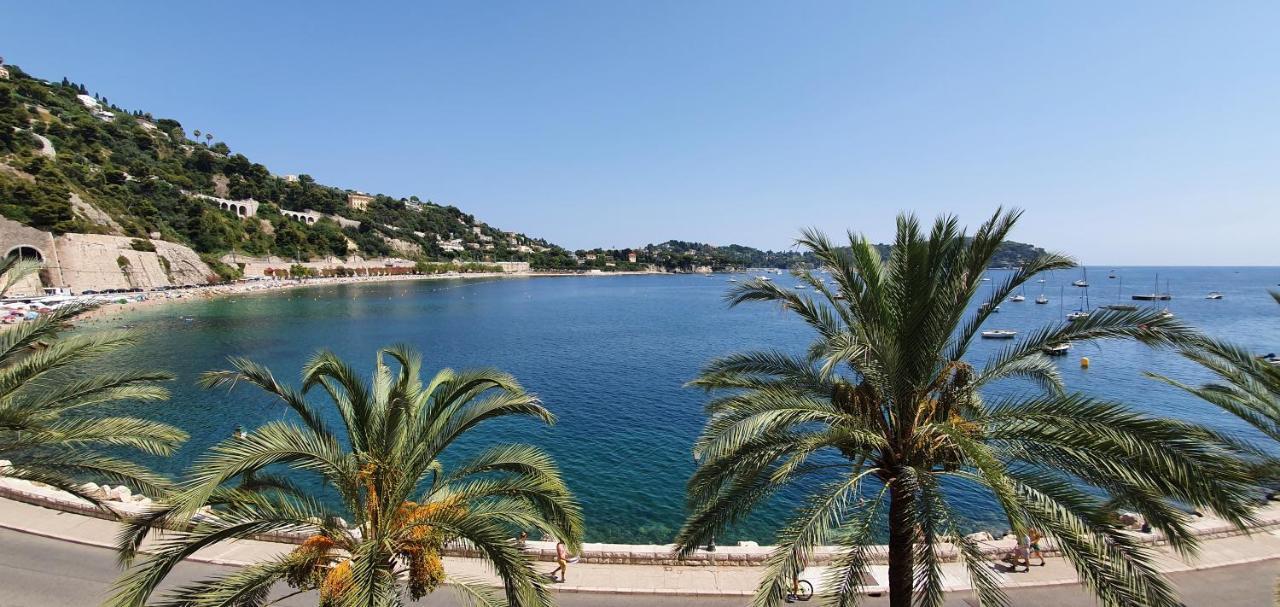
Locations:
222 271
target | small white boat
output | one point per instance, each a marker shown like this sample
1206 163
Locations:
1213 295
798 287
999 334
983 308
1077 315
1057 349
1270 358
1042 300
733 280
1039 280
1166 313
1080 283
1017 298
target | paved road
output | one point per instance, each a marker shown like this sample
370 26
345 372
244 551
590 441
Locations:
40 572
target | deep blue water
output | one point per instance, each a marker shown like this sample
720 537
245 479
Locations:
609 356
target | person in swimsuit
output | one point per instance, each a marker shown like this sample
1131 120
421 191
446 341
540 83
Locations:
1034 538
562 561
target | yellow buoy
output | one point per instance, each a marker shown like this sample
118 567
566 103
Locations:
1084 362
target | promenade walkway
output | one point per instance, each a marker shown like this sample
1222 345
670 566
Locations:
651 579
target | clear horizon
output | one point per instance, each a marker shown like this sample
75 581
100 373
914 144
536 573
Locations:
1136 135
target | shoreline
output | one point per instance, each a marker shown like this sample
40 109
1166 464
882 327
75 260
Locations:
115 312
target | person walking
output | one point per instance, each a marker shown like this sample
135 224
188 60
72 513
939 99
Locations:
1033 541
562 561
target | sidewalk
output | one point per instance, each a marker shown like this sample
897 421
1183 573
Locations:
647 579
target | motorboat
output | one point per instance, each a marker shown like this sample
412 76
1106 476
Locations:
1056 349
1213 295
1077 315
999 334
1042 299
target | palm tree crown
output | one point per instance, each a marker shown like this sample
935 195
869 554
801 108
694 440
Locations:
885 389
49 429
1246 386
382 460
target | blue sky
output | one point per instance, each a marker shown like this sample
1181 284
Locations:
1147 133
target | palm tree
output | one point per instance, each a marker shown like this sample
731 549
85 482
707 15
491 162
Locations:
1246 387
883 417
197 134
377 449
13 269
208 138
49 431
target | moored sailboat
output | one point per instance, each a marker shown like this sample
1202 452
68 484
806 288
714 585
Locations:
1119 306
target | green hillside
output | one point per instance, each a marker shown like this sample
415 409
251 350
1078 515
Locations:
141 171
71 161
677 255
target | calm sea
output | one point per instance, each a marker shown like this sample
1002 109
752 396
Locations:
609 356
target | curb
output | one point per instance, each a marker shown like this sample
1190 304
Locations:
643 591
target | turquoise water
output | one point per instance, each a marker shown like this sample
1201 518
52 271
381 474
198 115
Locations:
609 356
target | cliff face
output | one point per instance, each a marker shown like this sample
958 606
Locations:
98 262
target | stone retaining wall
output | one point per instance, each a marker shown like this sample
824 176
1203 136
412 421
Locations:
14 235
92 261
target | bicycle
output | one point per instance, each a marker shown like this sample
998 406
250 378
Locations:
803 590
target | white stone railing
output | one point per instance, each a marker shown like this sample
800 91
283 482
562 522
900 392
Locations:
744 554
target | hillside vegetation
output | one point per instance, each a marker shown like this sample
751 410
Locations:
677 255
71 161
140 172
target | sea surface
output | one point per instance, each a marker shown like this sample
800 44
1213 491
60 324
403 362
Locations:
610 357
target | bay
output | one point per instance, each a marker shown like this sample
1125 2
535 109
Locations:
610 357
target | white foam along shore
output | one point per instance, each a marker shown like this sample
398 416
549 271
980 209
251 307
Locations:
120 501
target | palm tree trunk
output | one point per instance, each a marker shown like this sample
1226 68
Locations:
901 539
